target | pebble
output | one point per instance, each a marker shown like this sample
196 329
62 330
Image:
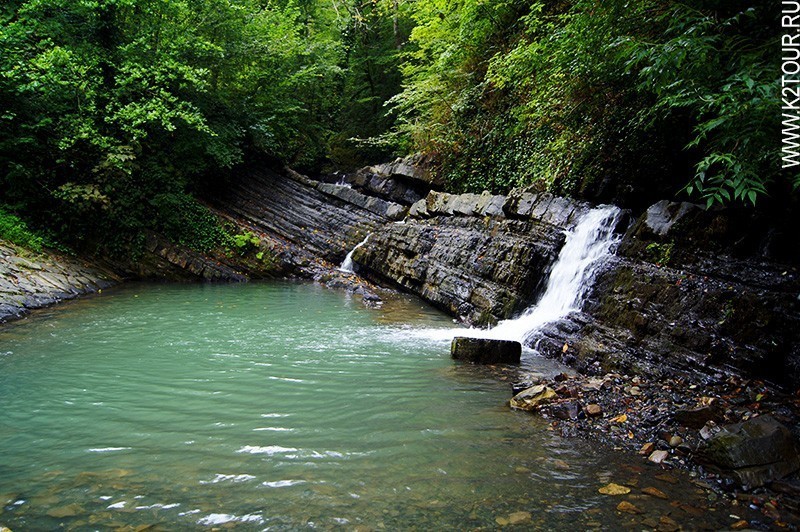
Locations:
675 441
520 518
614 489
594 410
560 464
666 477
647 448
627 507
667 524
658 457
739 525
655 492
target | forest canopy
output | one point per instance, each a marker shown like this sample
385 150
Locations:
118 114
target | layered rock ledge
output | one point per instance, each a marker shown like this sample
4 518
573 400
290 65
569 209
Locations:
30 281
676 300
480 257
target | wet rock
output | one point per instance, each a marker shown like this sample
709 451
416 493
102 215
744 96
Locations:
654 492
532 398
594 410
661 216
695 418
614 489
70 510
560 464
519 518
667 524
679 298
754 452
674 441
658 457
485 351
565 410
647 448
709 430
629 508
666 477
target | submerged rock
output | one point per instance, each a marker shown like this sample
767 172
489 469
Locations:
484 351
754 452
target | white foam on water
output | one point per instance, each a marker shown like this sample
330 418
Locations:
268 450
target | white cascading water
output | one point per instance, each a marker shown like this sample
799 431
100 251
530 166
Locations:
570 278
347 263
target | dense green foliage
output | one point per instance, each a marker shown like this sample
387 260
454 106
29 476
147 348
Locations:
14 230
616 100
114 110
117 113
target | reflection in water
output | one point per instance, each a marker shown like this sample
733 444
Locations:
274 405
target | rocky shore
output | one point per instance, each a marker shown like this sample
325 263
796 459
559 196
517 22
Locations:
737 437
30 281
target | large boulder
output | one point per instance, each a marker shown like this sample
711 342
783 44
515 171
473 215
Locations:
483 351
754 452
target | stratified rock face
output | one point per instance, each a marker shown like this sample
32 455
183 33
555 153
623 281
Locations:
754 452
483 351
675 300
317 220
479 257
480 270
40 280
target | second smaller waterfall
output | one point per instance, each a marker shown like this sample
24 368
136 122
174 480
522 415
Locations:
347 263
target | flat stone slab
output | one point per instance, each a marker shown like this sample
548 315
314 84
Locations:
484 351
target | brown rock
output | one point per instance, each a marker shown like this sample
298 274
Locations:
560 464
594 410
655 492
627 507
738 525
666 477
647 448
667 524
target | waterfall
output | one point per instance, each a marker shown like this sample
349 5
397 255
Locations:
571 276
591 239
347 263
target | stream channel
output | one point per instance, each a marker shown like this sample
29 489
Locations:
286 406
